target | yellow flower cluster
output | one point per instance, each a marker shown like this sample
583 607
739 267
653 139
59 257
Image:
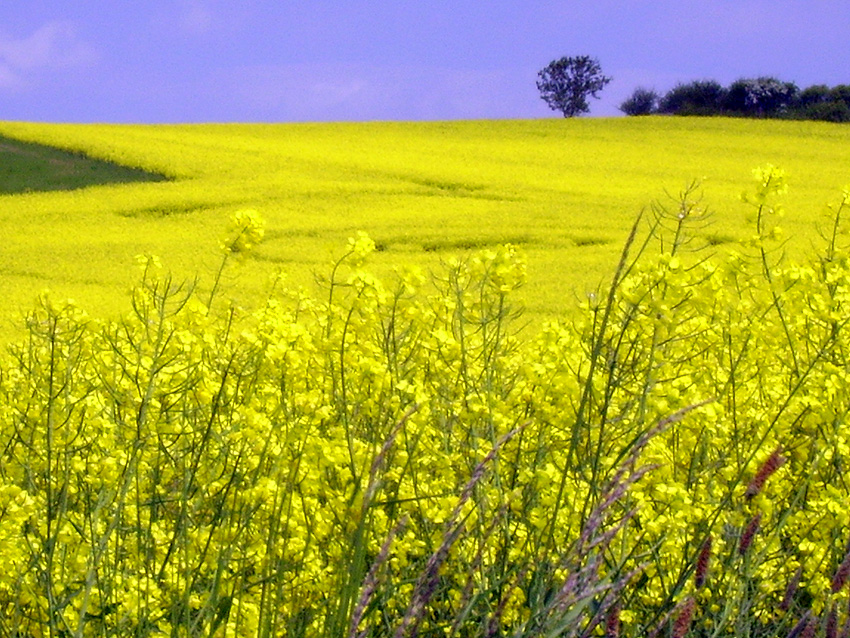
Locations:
325 466
247 230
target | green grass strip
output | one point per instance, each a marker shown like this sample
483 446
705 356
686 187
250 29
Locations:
27 167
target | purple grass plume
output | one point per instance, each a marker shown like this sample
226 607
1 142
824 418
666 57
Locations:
682 624
427 583
839 579
791 589
773 463
612 622
703 560
749 533
804 628
370 583
831 630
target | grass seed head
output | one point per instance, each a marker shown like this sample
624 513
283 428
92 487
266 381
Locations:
682 624
749 533
703 560
831 630
841 575
791 589
773 463
804 628
612 622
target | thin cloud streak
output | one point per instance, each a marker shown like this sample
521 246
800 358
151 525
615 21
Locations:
54 46
326 92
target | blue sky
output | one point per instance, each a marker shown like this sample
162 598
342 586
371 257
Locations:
318 60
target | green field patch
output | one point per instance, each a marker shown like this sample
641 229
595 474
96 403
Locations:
449 243
27 167
472 243
274 235
453 188
591 240
167 210
457 189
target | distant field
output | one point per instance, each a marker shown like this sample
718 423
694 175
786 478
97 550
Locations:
565 191
28 167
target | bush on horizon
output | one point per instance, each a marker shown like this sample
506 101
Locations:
746 97
642 101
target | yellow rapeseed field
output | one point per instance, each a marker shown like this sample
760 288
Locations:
565 192
389 454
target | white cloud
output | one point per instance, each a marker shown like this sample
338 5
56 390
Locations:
54 46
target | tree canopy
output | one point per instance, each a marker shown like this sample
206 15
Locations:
565 84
